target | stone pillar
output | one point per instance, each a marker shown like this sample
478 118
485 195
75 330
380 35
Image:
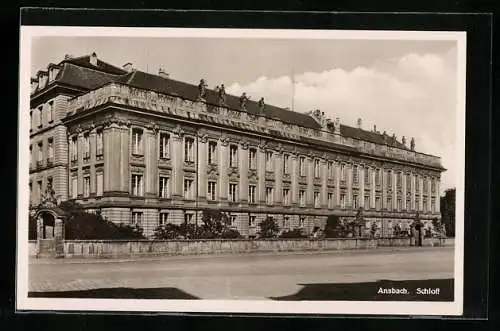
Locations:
223 167
294 177
403 191
80 163
177 164
336 165
324 183
372 188
438 196
202 166
310 181
151 162
429 195
243 184
362 186
421 197
394 190
383 174
124 148
413 190
349 202
278 177
92 138
261 173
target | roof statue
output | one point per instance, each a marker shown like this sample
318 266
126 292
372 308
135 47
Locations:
202 89
412 144
403 140
393 141
243 101
261 105
222 95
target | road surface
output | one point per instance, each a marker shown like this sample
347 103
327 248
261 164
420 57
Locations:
244 276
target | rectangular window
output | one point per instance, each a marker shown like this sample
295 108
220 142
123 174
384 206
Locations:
302 221
389 203
269 161
99 183
355 175
316 199
424 208
400 204
342 172
367 202
377 177
302 198
137 141
251 193
389 179
367 176
417 183
316 168
86 146
137 187
40 152
40 116
50 150
233 156
31 155
342 200
99 150
163 218
398 179
164 145
355 202
433 205
408 204
330 169
86 186
137 218
408 182
188 189
233 220
378 204
417 203
40 189
188 150
302 166
252 158
433 185
330 200
286 222
74 149
74 187
269 195
188 217
50 111
233 190
163 187
286 160
251 220
286 197
212 152
211 190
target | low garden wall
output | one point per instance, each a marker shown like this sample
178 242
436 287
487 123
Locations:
127 248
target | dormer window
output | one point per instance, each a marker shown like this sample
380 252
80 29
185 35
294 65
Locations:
93 59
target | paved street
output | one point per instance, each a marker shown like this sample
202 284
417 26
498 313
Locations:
245 276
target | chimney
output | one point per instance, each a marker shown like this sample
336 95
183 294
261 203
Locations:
93 59
359 123
374 128
163 73
128 67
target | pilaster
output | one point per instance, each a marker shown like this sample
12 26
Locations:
278 177
202 165
362 186
324 183
243 184
261 173
223 168
294 177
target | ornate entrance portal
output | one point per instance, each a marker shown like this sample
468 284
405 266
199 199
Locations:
50 227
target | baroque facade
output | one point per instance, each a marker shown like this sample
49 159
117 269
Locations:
147 149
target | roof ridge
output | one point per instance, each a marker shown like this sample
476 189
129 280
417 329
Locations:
97 70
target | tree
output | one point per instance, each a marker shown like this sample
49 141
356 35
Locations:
334 227
447 206
215 223
268 228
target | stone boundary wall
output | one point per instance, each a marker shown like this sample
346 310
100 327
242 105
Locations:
127 248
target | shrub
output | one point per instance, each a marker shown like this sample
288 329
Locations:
167 231
268 228
295 233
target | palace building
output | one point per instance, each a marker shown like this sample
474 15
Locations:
150 150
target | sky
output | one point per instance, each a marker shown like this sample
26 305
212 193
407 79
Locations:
405 87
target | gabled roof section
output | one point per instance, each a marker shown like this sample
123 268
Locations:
84 61
370 136
84 77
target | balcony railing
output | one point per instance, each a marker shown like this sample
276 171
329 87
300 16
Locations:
172 104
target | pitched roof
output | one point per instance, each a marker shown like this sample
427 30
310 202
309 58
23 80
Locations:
84 61
370 136
84 77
